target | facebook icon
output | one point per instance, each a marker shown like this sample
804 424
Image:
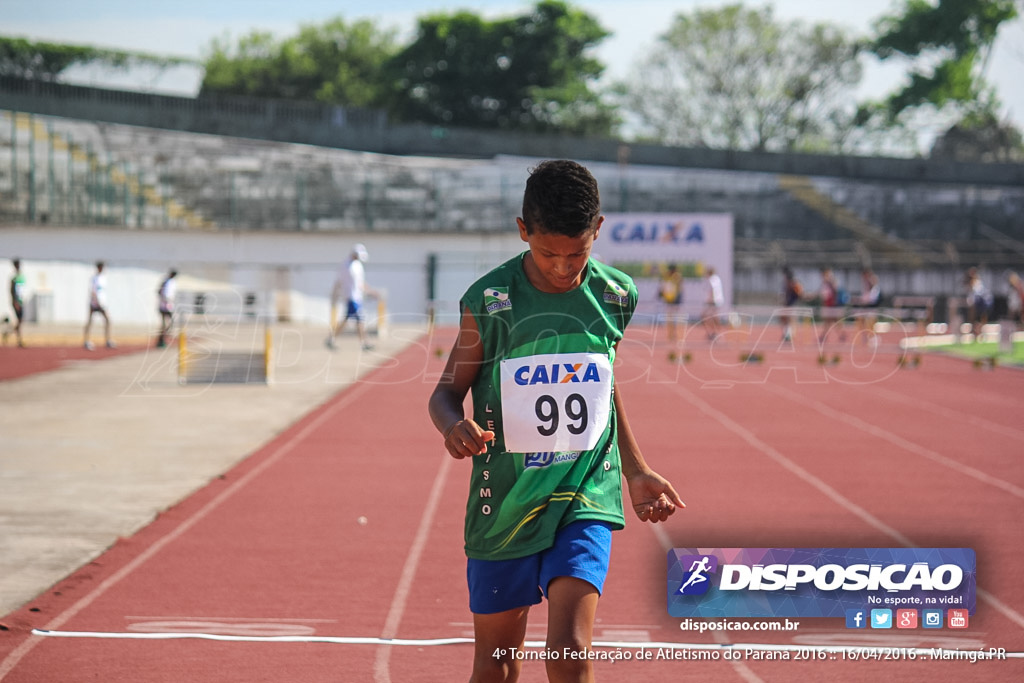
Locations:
856 618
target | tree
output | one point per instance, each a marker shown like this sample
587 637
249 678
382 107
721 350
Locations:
530 72
948 44
736 78
338 62
38 61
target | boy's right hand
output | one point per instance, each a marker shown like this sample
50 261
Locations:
466 439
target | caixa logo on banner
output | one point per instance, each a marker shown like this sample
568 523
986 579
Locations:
661 231
816 582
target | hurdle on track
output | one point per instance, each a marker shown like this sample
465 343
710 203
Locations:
203 363
224 339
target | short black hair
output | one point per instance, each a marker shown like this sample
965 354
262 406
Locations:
561 197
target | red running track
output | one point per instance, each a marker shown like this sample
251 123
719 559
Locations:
787 452
22 362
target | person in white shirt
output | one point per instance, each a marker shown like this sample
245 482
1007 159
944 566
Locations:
714 298
98 304
351 283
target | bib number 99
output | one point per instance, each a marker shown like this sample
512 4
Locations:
575 409
555 402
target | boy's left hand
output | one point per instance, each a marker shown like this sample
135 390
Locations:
653 497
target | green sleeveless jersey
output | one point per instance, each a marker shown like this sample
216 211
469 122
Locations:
545 390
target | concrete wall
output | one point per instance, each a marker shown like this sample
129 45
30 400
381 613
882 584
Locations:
291 274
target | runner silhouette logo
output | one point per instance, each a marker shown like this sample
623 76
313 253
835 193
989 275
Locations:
696 579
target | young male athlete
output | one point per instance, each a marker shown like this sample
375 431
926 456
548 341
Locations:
548 436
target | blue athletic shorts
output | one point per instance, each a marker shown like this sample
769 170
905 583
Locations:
581 549
354 310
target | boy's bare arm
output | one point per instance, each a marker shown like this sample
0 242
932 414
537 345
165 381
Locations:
652 496
462 437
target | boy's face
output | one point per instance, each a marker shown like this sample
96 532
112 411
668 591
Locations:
557 261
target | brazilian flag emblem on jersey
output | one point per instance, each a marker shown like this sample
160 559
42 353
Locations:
615 293
496 299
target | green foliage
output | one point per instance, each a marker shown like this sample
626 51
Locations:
947 42
733 77
727 77
336 62
530 72
42 61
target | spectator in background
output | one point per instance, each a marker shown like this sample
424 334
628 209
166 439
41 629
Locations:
1015 300
714 298
98 304
165 305
871 291
670 293
979 301
870 297
828 298
792 294
17 301
351 283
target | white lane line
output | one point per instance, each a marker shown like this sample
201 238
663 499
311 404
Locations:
948 412
274 620
438 642
381 666
897 440
829 492
721 639
25 647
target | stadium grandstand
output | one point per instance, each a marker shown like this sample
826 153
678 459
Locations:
74 157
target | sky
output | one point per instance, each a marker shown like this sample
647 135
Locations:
186 28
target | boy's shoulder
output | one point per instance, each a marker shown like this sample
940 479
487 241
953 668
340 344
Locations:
490 291
504 275
613 287
501 275
610 273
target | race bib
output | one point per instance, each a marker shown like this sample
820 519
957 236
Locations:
555 402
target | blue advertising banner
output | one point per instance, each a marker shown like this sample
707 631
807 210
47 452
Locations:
817 582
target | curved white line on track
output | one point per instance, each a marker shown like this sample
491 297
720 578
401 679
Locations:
936 409
16 655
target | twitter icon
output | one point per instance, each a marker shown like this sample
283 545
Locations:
881 618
